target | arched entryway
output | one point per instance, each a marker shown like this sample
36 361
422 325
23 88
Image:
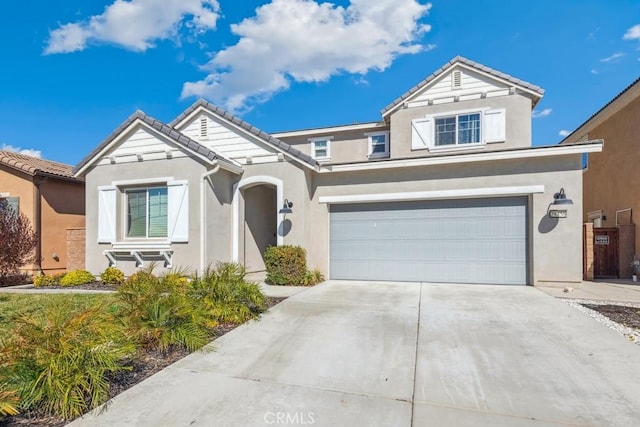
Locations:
256 219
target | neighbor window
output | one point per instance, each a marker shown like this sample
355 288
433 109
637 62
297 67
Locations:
321 148
12 202
378 144
147 212
457 130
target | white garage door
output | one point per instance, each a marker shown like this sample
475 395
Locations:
446 241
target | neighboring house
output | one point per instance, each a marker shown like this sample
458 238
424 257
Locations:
446 187
610 177
53 200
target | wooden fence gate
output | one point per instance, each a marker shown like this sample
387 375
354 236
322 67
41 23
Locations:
605 253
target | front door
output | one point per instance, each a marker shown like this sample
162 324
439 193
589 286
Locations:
605 253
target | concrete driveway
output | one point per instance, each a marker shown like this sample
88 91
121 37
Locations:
399 354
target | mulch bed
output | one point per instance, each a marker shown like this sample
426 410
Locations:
146 364
627 316
94 286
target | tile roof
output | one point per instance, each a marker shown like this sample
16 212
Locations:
468 62
168 131
249 128
36 167
625 90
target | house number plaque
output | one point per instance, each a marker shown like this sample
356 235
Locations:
602 240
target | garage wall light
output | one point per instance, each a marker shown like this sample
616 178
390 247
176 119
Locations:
286 208
560 198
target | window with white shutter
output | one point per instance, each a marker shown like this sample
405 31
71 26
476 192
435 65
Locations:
178 211
106 214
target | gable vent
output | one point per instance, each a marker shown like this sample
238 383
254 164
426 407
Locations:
203 127
456 80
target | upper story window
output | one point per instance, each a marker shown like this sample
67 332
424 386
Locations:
378 144
460 129
321 147
147 212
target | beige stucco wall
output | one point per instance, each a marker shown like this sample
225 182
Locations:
518 122
186 255
555 246
612 178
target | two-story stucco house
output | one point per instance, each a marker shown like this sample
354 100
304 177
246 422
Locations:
445 187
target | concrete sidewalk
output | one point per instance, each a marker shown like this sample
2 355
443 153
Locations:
398 354
621 290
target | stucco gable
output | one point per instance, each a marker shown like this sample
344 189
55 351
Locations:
475 78
141 137
218 129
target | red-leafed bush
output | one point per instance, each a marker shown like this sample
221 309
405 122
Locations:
17 241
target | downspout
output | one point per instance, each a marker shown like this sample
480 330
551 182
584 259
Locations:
38 220
206 176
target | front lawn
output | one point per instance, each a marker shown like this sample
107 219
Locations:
64 354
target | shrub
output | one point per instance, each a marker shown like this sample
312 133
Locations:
159 314
312 277
77 277
58 358
12 279
112 276
286 265
47 280
226 296
17 240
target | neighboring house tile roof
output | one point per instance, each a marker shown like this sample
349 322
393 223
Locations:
170 132
36 167
468 62
615 98
248 127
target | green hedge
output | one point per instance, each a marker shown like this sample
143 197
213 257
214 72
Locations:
286 265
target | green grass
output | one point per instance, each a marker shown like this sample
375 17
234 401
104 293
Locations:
12 305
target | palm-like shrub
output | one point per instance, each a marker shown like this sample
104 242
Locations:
159 314
58 358
8 401
226 295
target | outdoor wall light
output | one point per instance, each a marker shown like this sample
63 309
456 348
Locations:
286 208
561 199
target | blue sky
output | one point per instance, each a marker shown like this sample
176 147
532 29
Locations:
73 70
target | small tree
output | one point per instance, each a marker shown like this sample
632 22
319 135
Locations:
17 240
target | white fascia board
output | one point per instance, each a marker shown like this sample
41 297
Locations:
229 167
558 150
322 131
434 195
142 181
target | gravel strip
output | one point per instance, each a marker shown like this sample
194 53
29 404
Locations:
631 334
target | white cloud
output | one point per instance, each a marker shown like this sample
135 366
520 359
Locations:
594 71
632 33
26 151
543 113
613 57
135 24
304 41
564 132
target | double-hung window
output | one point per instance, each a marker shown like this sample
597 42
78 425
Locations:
458 130
11 203
147 212
321 148
378 144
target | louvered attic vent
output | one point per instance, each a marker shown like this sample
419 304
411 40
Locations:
203 127
456 80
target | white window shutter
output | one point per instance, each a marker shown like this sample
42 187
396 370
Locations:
495 125
178 211
106 214
421 133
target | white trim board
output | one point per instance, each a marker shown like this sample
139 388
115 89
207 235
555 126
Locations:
434 195
556 150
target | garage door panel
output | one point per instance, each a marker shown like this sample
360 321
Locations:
465 241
